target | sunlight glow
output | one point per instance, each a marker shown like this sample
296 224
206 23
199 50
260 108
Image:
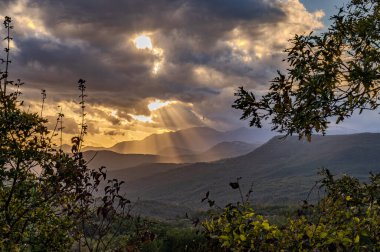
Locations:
159 53
143 42
156 68
157 104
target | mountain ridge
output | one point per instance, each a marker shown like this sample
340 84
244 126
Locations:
118 161
195 139
282 170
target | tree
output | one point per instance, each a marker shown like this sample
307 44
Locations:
46 195
330 75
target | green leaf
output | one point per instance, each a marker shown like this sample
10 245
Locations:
357 239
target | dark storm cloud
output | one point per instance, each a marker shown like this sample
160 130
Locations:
91 39
239 9
167 15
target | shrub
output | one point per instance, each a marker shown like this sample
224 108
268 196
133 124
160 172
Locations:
345 219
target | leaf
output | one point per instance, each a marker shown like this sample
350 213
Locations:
206 197
323 235
211 203
266 225
357 239
243 237
234 185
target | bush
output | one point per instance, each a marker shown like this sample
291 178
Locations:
345 219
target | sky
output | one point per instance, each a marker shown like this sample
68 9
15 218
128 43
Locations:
154 66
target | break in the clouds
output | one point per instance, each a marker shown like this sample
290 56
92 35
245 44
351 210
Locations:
189 55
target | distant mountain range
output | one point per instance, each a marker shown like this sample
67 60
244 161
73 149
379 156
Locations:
187 141
200 144
116 161
282 171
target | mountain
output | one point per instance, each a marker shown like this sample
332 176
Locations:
198 139
64 147
282 171
175 151
93 148
143 170
229 149
67 148
116 161
219 151
250 135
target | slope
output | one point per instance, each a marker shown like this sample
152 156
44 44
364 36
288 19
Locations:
282 171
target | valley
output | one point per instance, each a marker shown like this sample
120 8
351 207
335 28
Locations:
282 170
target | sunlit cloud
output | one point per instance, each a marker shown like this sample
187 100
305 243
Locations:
155 67
157 104
28 20
268 40
144 42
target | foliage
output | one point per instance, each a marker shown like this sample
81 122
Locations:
149 235
239 228
346 219
45 194
330 75
100 218
170 237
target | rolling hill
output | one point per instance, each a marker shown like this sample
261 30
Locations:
173 151
282 171
219 151
116 161
230 149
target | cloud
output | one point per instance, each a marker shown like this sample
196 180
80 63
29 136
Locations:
70 126
203 51
113 133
